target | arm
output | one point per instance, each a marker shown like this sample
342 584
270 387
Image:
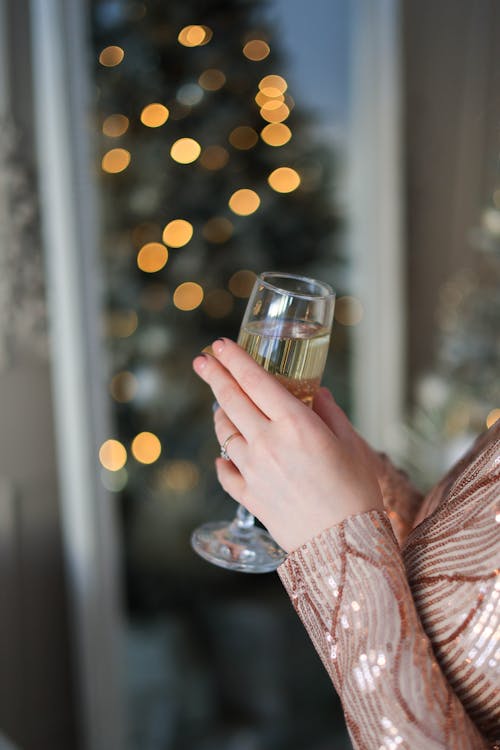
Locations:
349 587
312 483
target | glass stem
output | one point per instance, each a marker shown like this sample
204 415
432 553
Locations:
244 521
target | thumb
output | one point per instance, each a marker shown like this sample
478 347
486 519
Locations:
332 415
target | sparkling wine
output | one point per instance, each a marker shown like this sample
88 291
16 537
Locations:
294 351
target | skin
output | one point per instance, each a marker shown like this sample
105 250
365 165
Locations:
298 470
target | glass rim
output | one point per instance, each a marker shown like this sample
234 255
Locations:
329 292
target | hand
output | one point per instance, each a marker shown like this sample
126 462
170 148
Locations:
296 474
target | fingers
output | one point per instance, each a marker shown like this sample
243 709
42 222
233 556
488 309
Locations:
332 415
230 479
263 389
230 438
233 401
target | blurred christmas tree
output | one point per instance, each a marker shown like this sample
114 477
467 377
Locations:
210 173
461 396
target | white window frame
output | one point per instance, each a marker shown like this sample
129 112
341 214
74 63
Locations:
376 235
69 220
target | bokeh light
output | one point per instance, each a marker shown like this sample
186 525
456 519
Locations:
492 417
185 150
212 79
194 36
177 233
122 323
276 134
273 85
146 448
278 114
243 137
262 100
214 158
114 481
241 283
123 387
112 455
218 229
190 94
256 50
111 56
154 115
244 202
218 303
116 160
115 125
348 311
180 475
152 257
284 180
188 296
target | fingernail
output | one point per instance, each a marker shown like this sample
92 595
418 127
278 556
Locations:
218 346
207 349
215 406
200 362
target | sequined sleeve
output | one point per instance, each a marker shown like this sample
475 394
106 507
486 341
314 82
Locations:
401 499
350 588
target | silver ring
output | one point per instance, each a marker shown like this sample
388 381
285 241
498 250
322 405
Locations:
223 449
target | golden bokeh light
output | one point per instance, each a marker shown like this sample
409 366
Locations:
348 311
217 230
256 50
273 85
278 114
154 115
212 79
152 257
243 137
116 160
180 475
111 56
218 303
123 387
284 180
241 283
185 150
112 455
188 296
122 323
262 100
272 104
492 417
177 233
146 448
194 36
244 202
276 134
214 158
115 125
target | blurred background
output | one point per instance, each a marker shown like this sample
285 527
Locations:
155 156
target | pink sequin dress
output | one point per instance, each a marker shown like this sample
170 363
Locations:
409 631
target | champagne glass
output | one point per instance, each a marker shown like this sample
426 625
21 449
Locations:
286 329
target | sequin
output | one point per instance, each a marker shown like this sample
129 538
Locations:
409 600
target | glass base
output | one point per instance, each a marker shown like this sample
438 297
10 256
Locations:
247 550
